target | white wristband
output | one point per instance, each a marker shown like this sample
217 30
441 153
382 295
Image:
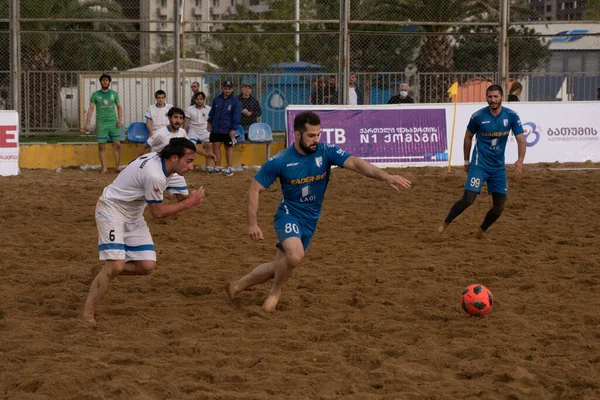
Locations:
467 162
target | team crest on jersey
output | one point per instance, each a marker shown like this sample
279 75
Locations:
105 102
157 189
319 161
505 122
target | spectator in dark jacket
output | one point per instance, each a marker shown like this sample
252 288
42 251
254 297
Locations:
223 120
515 91
250 108
401 97
317 91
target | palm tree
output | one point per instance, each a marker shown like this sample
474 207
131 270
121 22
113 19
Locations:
435 57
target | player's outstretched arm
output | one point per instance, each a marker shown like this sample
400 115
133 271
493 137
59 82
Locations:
369 170
160 210
252 196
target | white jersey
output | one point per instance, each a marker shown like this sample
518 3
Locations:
142 181
158 116
160 139
198 122
352 96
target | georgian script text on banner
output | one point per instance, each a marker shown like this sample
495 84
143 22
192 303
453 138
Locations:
385 137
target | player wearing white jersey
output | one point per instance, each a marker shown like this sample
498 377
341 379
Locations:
162 136
124 240
195 124
177 185
157 114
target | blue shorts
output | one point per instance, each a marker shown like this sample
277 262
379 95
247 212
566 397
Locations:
287 225
495 178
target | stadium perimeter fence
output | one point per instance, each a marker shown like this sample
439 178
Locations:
54 50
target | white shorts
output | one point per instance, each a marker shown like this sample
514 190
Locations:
120 240
177 185
198 136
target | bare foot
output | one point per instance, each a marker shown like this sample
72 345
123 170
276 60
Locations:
118 169
270 303
480 234
230 292
103 171
88 315
439 233
237 302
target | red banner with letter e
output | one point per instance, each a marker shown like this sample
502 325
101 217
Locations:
9 143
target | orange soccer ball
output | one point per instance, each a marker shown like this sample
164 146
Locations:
476 300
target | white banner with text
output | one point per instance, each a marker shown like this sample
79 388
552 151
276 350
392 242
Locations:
9 143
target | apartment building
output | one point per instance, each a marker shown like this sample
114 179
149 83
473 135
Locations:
559 10
157 37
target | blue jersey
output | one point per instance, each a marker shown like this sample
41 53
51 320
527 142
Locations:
492 134
303 178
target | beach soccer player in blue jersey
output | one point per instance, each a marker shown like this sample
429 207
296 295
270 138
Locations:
303 171
491 126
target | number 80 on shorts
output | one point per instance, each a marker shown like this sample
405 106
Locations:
289 228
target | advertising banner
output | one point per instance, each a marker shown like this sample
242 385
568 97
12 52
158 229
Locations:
416 134
563 132
384 136
9 143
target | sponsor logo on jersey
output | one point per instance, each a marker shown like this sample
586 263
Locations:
306 196
492 134
292 164
308 179
485 122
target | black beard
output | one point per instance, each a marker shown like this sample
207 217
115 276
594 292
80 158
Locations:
307 149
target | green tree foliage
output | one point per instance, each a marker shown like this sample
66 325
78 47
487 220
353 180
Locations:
441 50
253 47
479 53
248 47
52 45
55 45
592 11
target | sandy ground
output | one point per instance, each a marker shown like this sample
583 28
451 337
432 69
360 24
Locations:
372 312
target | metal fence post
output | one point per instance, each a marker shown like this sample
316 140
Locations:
503 46
177 54
15 56
344 61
